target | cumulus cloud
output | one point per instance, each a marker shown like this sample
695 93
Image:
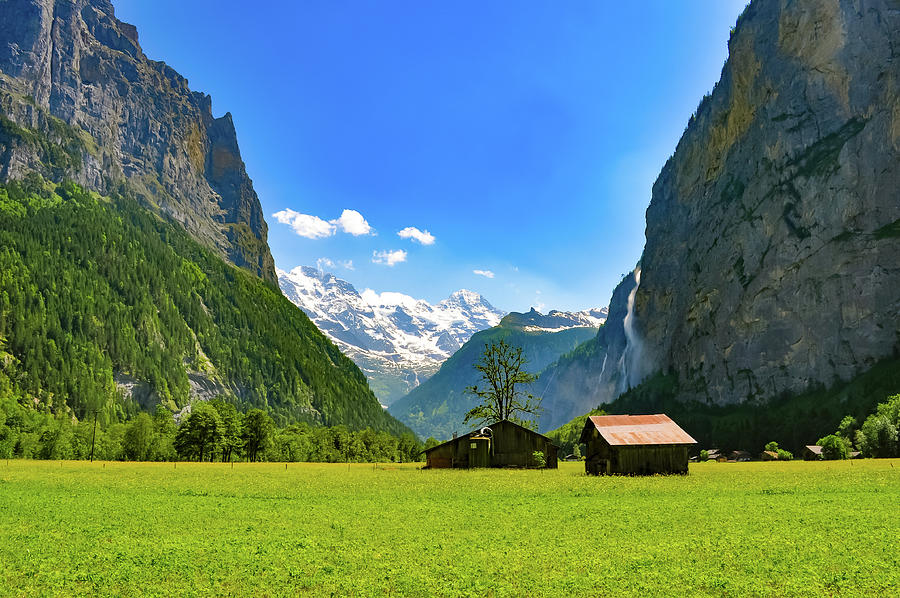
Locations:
305 225
313 227
389 258
352 222
421 236
485 273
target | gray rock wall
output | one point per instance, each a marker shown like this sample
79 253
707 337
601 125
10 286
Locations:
122 116
772 259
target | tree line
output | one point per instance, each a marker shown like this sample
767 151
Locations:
878 436
211 431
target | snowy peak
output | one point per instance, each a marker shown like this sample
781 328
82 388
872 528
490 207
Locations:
397 340
554 321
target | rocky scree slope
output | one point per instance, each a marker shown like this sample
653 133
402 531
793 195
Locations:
398 341
772 261
79 100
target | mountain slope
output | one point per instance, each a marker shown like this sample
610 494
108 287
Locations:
109 304
99 297
398 341
437 406
130 119
772 266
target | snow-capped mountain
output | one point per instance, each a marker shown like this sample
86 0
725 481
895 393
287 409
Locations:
554 321
397 340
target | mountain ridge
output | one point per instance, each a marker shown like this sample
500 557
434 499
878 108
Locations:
396 339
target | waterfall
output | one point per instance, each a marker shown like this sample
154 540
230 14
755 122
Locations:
630 364
603 367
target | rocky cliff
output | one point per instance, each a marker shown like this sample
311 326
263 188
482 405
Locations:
772 260
80 100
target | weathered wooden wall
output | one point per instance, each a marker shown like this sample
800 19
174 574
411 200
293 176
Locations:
640 459
511 446
514 447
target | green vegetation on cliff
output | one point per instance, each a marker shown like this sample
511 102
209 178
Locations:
92 288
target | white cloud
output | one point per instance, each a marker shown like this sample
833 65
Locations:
324 262
305 225
422 236
485 273
389 258
353 222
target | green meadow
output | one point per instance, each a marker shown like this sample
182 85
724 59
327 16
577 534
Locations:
760 529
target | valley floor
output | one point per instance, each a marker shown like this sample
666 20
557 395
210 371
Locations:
764 529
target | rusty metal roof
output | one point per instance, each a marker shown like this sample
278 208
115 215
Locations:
626 430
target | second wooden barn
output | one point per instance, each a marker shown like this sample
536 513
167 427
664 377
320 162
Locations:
502 444
635 444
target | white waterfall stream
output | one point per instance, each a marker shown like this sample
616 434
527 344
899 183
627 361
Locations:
632 357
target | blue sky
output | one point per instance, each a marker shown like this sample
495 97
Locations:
524 137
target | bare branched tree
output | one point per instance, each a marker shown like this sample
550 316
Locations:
502 395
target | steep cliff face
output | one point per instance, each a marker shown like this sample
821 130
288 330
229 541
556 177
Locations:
80 100
772 260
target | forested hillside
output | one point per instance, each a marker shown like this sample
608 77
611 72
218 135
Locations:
437 406
96 289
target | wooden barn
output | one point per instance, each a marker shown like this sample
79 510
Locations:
635 444
812 452
501 444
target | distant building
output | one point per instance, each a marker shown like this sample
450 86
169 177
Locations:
713 454
768 456
501 444
812 452
635 444
740 456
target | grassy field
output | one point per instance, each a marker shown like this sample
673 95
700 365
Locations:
761 529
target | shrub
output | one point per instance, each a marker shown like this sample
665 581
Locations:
784 455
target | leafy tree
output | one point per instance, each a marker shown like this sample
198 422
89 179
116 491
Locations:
164 435
257 433
537 457
771 446
138 441
834 447
200 433
503 376
704 455
431 443
847 429
878 436
784 455
231 427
